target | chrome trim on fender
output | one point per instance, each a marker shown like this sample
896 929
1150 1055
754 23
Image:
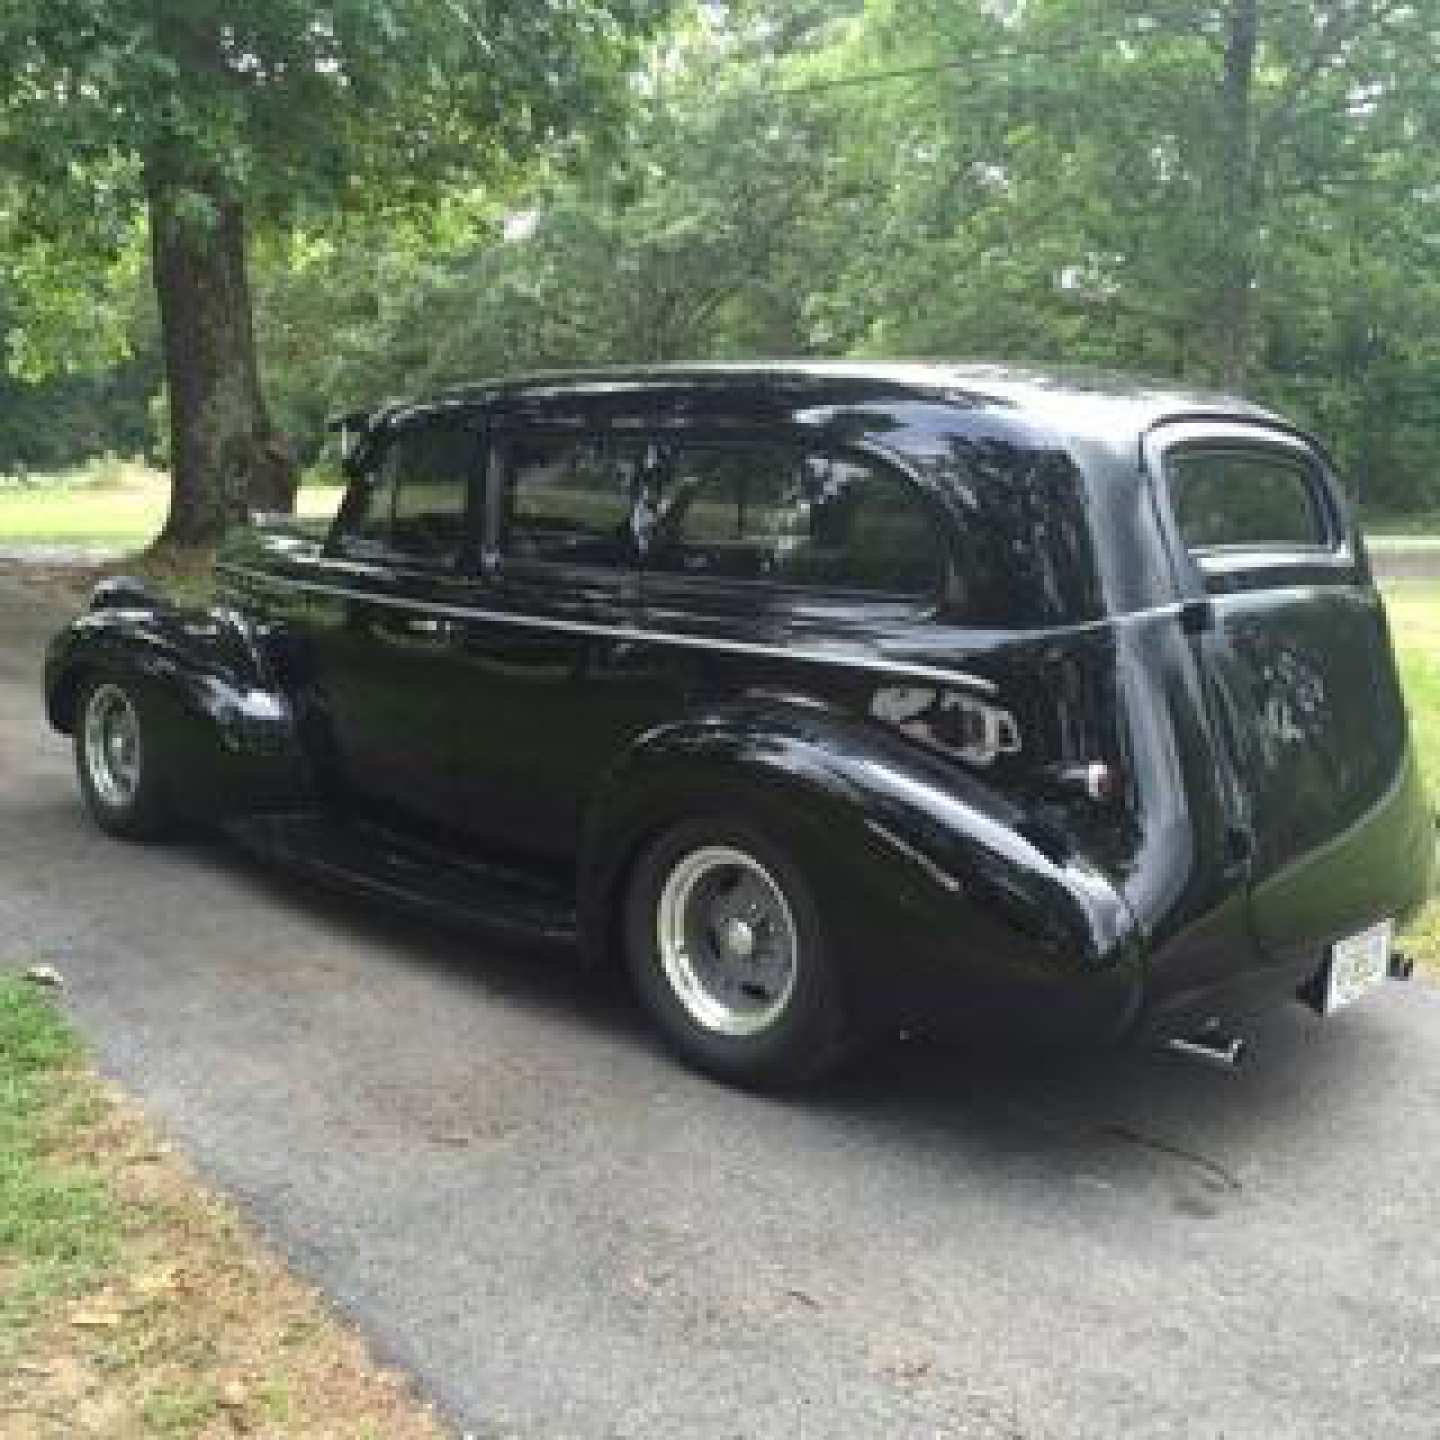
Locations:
940 876
619 632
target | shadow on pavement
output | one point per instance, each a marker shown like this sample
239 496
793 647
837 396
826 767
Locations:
1117 1117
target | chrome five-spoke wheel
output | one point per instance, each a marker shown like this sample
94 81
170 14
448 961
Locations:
111 742
727 940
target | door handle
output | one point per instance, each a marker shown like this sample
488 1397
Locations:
417 627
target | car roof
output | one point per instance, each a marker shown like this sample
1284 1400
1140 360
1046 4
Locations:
1094 403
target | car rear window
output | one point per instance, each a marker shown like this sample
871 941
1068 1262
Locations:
1235 498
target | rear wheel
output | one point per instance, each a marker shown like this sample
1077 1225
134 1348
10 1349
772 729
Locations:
115 755
725 943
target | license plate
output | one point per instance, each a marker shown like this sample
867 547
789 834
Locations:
1357 964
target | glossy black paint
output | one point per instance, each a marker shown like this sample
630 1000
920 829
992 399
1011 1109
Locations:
557 716
214 691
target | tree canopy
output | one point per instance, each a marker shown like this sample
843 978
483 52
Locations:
1244 192
217 120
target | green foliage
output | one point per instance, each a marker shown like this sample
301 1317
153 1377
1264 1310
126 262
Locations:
292 105
1044 188
690 240
219 122
1055 183
78 346
52 425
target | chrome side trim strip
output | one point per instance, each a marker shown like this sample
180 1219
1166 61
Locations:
937 873
620 632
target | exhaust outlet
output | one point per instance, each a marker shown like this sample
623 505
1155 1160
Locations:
1211 1046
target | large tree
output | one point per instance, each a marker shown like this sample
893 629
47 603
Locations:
1123 182
216 119
918 176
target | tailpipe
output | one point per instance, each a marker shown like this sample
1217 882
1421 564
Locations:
1210 1046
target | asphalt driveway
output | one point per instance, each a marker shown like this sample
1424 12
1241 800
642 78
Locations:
490 1165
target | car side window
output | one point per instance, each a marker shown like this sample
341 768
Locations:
773 512
1240 498
570 498
414 506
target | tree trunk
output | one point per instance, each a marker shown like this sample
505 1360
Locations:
225 456
1238 201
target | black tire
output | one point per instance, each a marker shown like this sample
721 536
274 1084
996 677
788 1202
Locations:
140 809
808 1036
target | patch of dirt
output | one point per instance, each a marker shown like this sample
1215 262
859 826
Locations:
197 1330
61 582
65 581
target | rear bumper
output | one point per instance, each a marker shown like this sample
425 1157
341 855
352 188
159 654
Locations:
1229 1002
1259 945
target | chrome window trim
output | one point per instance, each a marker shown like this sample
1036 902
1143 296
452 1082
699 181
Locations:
1194 567
1252 440
619 632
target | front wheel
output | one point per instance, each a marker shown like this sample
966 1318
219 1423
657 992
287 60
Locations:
725 943
115 755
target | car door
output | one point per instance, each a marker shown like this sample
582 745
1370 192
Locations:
1329 818
394 576
557 684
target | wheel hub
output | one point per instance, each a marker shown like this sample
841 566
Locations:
112 745
738 938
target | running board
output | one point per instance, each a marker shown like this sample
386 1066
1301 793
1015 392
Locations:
376 861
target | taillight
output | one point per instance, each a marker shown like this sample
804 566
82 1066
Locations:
968 728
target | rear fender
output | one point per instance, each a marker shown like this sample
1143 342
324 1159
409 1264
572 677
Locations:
901 846
227 728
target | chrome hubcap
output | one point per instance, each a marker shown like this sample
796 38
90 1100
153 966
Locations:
112 745
738 938
727 940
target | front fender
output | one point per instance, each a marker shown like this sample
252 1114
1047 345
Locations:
227 727
921 865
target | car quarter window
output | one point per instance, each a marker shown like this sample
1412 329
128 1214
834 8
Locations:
1251 498
773 512
569 498
414 505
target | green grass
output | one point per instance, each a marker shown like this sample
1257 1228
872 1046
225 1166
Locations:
1424 523
182 1411
104 510
57 1226
1414 610
127 1291
106 505
1393 542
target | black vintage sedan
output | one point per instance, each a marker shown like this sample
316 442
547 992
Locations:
830 699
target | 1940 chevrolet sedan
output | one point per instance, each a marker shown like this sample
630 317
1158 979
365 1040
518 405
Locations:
832 699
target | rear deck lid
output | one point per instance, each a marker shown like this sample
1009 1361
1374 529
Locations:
1317 768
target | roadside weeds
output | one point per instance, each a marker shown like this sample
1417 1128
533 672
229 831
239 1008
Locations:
133 1303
